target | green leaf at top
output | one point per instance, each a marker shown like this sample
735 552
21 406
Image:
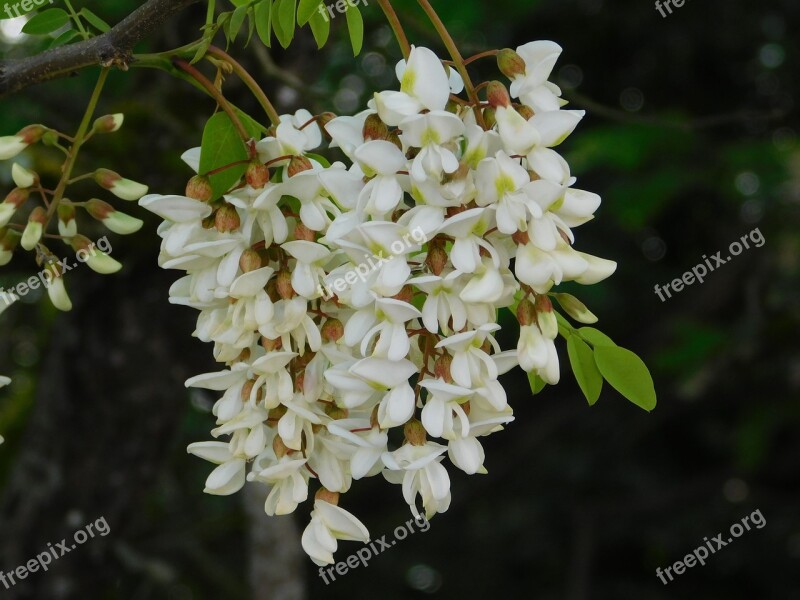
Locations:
264 21
355 25
306 10
222 146
627 374
581 359
236 22
283 22
595 337
46 22
321 28
94 20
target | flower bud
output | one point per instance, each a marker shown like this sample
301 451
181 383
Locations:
442 368
490 117
11 145
23 177
279 447
415 433
200 188
303 233
546 318
332 330
67 225
375 129
437 257
521 238
9 240
208 222
298 164
32 133
108 123
526 313
406 294
257 174
510 63
250 261
16 198
57 292
526 112
323 121
227 219
327 496
34 229
118 185
497 94
116 221
97 260
284 282
277 413
576 309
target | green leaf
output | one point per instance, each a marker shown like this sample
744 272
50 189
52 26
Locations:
94 20
46 22
283 24
595 337
306 10
236 22
264 22
320 159
355 25
627 374
536 382
64 38
581 359
321 28
222 146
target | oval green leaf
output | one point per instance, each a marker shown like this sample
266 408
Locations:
627 374
46 22
264 22
581 359
306 10
355 25
595 337
95 21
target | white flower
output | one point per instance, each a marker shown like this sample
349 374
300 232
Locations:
419 470
330 523
229 477
533 87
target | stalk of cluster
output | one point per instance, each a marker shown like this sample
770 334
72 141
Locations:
415 233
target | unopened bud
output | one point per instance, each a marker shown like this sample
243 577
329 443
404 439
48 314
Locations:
327 496
415 433
284 282
34 229
437 257
32 133
576 309
375 129
299 164
118 185
526 313
332 330
227 219
108 123
490 117
442 368
116 221
323 121
9 240
208 222
543 304
526 112
200 188
406 294
510 63
303 233
16 198
97 260
250 261
521 238
257 175
24 178
497 94
277 413
67 225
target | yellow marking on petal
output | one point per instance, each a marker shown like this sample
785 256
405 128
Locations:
409 81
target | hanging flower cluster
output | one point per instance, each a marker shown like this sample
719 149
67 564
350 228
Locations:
350 300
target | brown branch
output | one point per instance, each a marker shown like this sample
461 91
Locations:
111 49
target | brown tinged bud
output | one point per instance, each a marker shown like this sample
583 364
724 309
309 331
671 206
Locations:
526 313
271 345
208 222
257 175
510 63
336 413
442 368
323 120
244 356
227 219
375 129
32 133
277 413
98 209
521 238
17 197
327 496
284 283
332 330
272 290
108 123
497 95
247 389
250 261
490 117
299 164
437 257
200 188
543 304
406 294
525 111
303 233
279 447
415 433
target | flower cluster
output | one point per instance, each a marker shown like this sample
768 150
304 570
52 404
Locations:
327 350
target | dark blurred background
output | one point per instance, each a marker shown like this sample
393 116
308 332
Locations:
691 140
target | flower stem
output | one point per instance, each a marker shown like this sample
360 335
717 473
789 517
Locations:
77 20
251 83
455 54
397 27
217 95
72 154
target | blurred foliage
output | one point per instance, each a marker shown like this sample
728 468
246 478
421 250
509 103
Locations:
579 502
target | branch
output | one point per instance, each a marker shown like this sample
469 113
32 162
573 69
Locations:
111 49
